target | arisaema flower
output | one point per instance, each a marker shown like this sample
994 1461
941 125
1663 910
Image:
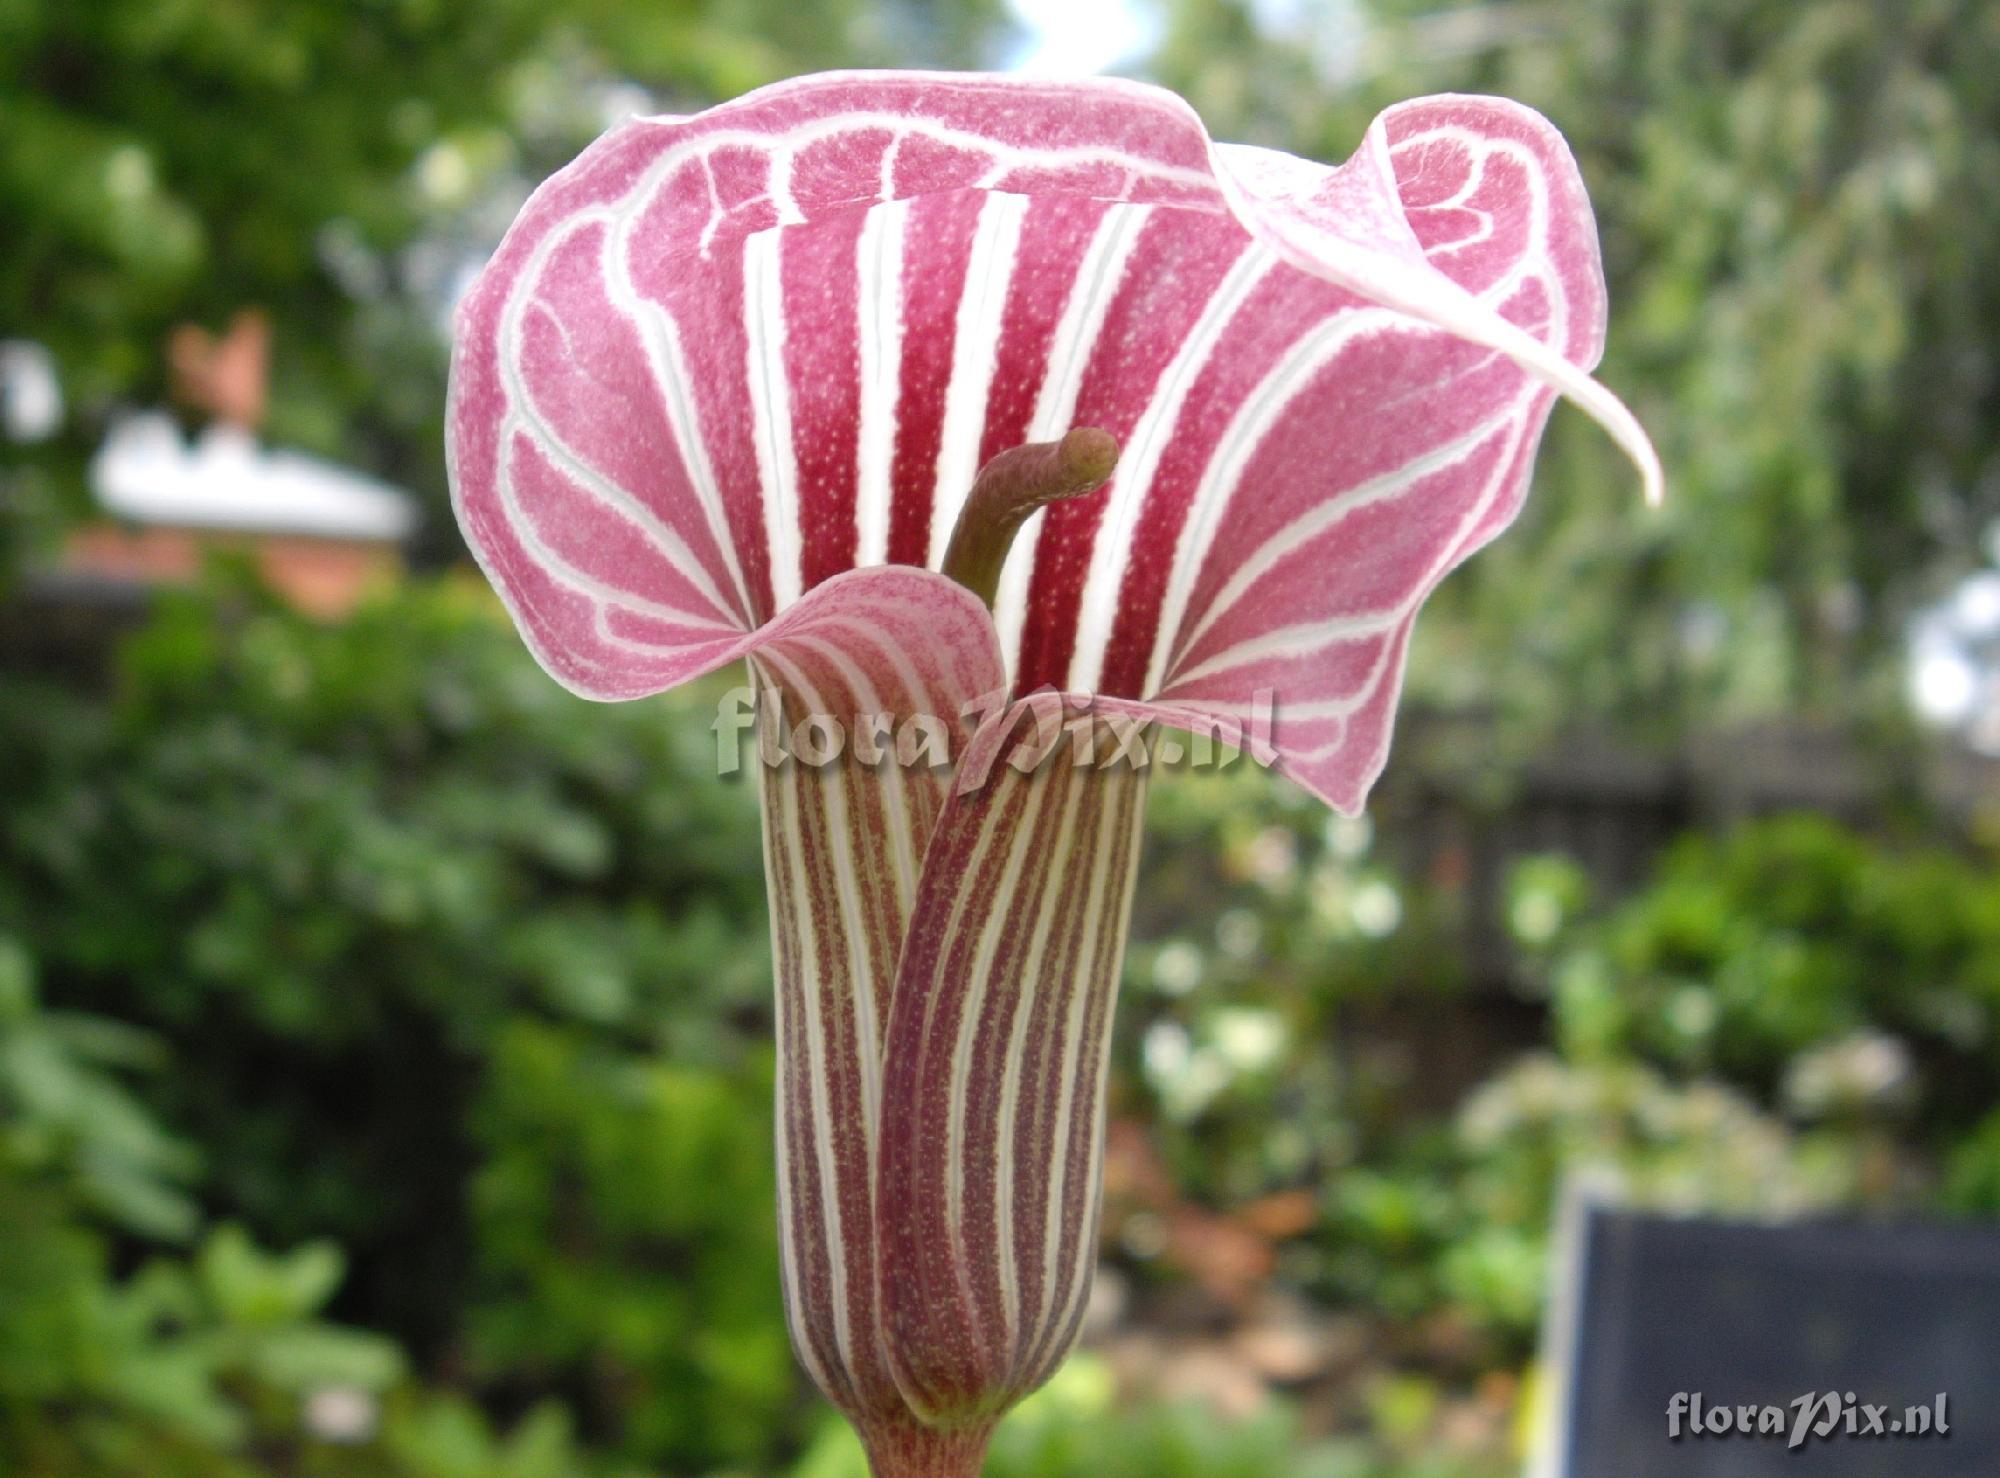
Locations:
726 391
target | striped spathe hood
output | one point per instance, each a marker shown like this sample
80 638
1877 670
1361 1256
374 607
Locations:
723 392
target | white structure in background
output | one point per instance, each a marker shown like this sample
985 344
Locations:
31 403
146 473
1955 658
320 536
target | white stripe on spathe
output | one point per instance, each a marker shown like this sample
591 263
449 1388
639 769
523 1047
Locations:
659 337
879 318
1317 634
1125 829
771 411
982 308
842 839
1008 1134
1233 450
1139 460
527 416
1063 1285
1016 850
1091 294
781 832
1321 517
612 497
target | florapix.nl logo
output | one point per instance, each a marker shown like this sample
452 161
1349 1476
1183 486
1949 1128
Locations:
1816 1416
1026 733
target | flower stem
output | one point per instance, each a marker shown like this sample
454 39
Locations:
1010 488
908 1449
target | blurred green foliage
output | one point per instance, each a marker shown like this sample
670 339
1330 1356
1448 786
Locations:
1789 1017
445 972
188 1359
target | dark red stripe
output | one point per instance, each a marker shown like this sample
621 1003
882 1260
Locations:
1008 993
1055 235
937 254
820 283
1171 273
1282 309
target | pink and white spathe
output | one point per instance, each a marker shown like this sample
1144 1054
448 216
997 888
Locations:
722 393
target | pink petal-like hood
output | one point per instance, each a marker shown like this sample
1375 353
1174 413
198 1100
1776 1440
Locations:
723 392
721 359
